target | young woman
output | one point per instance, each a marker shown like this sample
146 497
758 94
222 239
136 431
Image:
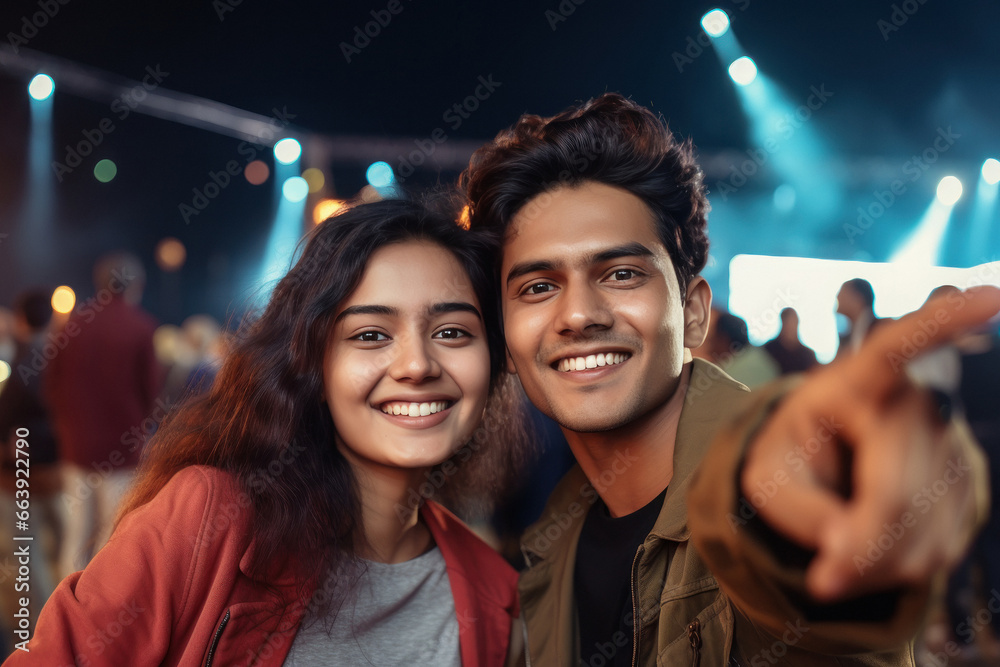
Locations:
282 519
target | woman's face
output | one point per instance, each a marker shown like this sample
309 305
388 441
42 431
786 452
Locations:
406 372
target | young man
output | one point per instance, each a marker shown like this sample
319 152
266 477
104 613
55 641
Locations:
602 219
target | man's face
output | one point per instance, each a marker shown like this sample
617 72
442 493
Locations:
593 315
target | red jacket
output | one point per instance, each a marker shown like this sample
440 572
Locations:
171 588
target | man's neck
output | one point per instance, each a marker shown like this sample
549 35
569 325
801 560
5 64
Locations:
631 465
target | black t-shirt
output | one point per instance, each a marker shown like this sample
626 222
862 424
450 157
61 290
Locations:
602 581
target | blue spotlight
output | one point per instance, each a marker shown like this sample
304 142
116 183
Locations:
380 174
287 150
743 70
923 246
715 23
991 171
949 190
295 189
41 87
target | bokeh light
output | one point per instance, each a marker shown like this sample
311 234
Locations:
4 371
256 172
743 71
170 254
63 299
991 171
41 87
380 174
287 150
325 208
315 178
949 190
295 189
105 171
715 23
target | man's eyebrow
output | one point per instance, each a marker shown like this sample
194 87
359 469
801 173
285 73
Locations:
525 268
634 249
389 311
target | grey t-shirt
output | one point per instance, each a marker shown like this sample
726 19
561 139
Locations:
401 614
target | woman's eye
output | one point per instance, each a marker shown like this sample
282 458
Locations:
451 333
371 337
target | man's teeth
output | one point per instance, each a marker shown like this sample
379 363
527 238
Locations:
591 361
413 409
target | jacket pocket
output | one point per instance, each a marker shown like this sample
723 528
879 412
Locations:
705 637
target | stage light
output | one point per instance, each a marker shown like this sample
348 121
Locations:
287 150
743 71
315 178
295 189
465 218
715 23
41 87
105 171
4 371
63 299
170 254
256 172
380 174
949 190
991 171
325 208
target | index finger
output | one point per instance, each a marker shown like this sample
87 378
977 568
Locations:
883 357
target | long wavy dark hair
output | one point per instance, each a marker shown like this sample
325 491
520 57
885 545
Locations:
266 405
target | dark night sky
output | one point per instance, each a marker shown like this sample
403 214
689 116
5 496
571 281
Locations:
938 69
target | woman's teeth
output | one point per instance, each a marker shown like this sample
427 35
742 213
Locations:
413 409
591 361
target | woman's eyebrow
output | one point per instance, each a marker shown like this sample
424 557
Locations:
390 311
367 310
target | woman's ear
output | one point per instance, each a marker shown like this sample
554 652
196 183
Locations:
697 312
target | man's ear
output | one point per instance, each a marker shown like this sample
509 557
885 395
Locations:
697 312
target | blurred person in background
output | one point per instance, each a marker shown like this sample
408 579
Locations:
24 417
733 352
102 389
856 302
786 348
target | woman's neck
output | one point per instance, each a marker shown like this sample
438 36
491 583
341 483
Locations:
393 531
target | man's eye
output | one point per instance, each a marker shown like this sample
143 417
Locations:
451 333
538 288
371 337
623 274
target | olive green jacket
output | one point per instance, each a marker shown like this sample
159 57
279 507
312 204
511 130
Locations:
684 616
